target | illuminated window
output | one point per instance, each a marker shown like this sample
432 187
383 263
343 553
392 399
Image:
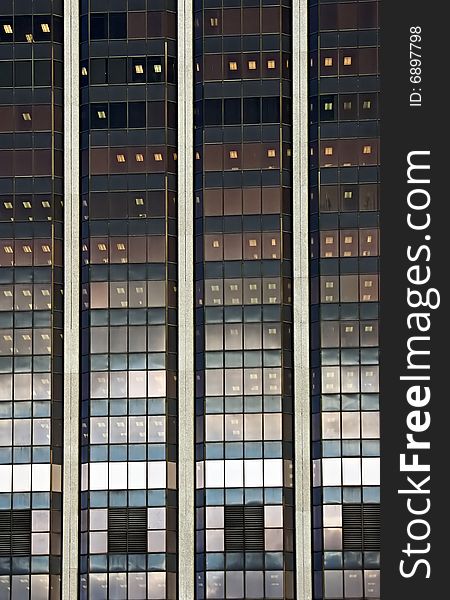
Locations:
45 27
101 114
101 247
328 61
157 68
214 21
26 116
158 157
232 65
328 151
271 153
120 158
8 28
271 64
29 37
26 204
8 250
139 69
252 243
369 239
7 204
216 244
367 104
347 105
347 60
139 201
348 239
121 247
233 153
328 106
27 249
348 195
45 203
84 71
139 157
367 150
45 248
252 65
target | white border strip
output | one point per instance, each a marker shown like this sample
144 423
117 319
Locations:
186 405
302 401
71 303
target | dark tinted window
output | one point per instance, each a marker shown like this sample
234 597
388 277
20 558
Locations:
213 112
98 70
117 26
136 114
232 111
117 115
117 70
252 112
99 27
271 110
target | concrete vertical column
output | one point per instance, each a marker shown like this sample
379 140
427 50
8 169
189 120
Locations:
186 406
71 303
302 413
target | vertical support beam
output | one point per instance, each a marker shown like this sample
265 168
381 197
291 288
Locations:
186 406
301 303
71 303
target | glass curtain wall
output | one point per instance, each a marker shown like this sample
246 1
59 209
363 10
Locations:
344 176
243 228
31 279
128 300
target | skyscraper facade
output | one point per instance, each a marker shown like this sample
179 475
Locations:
189 300
343 205
128 300
31 304
243 316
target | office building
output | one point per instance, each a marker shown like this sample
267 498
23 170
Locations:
189 300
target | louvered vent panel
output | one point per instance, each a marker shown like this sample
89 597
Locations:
137 530
244 528
127 530
371 526
361 526
5 533
15 532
